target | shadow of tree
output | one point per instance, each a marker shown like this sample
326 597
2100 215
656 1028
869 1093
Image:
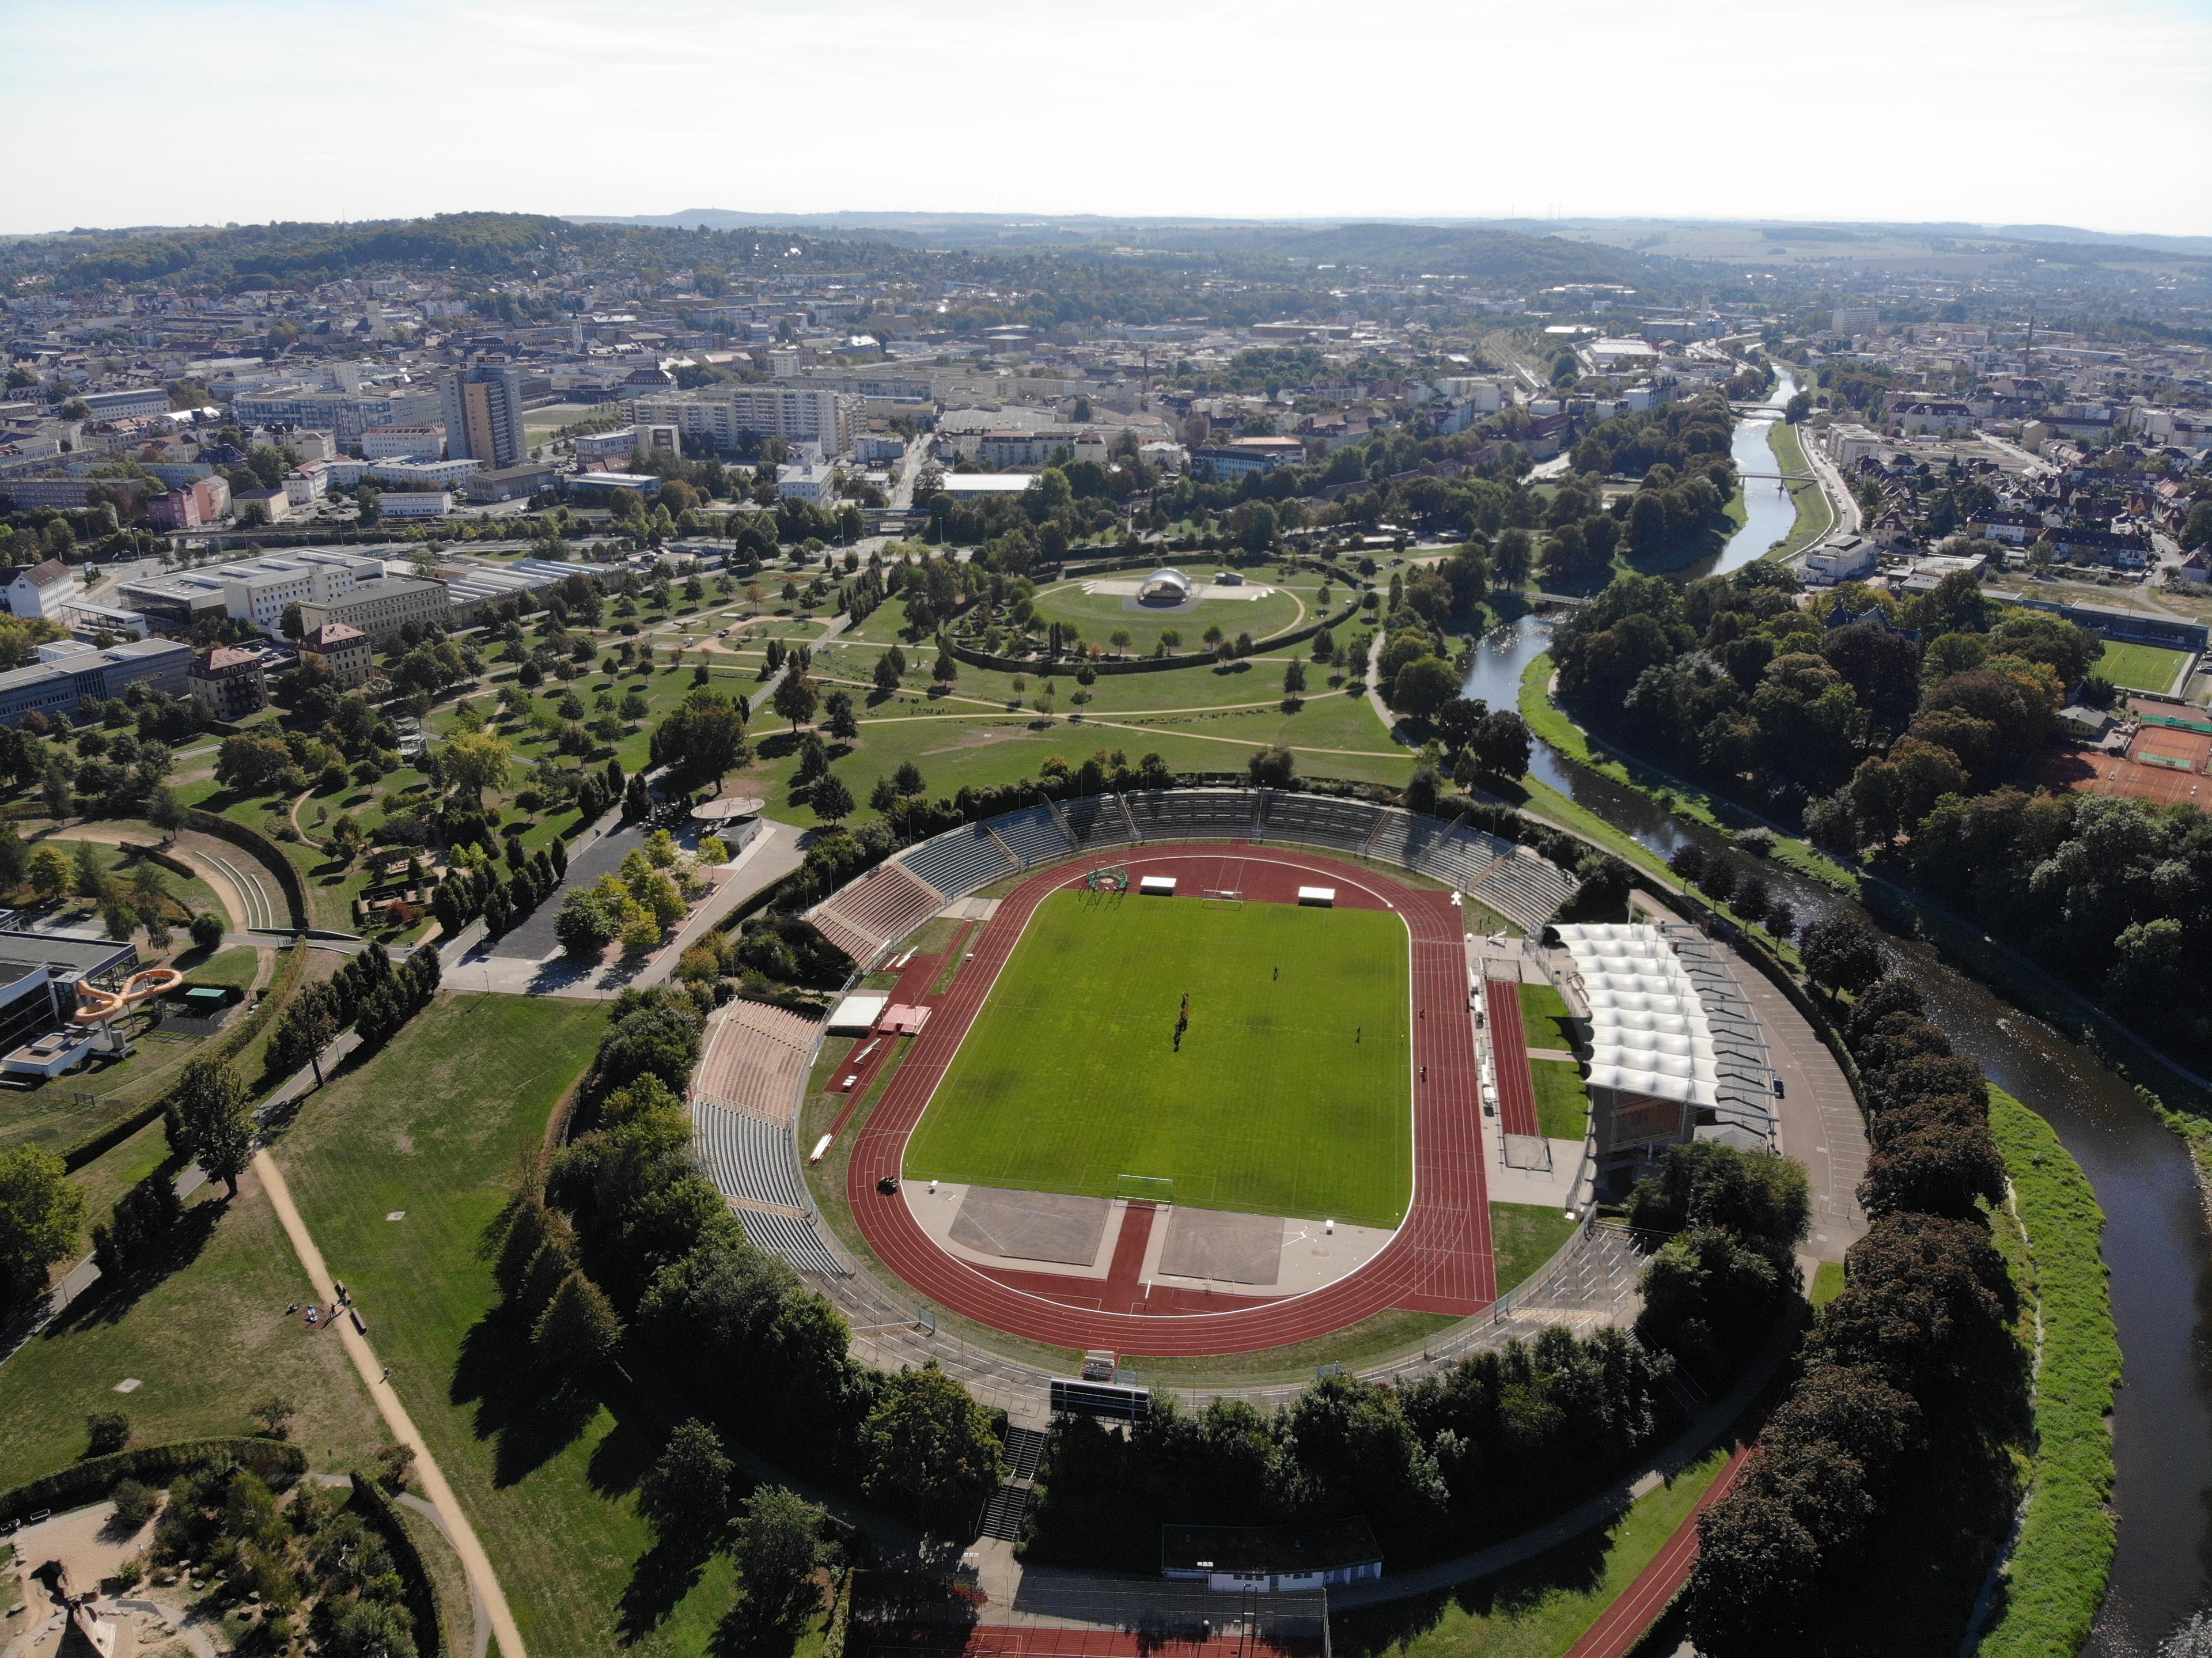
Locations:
529 1420
111 1300
1574 1567
661 1577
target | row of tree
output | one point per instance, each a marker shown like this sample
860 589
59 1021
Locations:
1905 1374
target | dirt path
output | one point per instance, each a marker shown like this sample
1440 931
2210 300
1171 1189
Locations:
456 1525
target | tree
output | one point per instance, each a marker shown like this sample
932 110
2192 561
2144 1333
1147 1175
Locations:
831 800
585 926
578 1333
931 1447
1842 952
794 698
307 1029
50 871
1272 767
1294 679
165 811
214 1107
274 1413
1501 744
777 1550
41 1214
1424 685
838 706
207 931
1704 1184
687 1491
106 1432
473 762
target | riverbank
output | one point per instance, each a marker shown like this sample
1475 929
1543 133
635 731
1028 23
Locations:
2061 1561
1815 516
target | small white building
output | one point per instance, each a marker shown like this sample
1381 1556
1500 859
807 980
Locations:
814 483
41 590
417 503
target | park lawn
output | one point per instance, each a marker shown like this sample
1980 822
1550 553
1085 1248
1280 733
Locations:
1545 1019
1562 1099
191 896
206 1340
1541 1608
1278 1102
433 1127
1827 1284
229 967
957 749
2140 667
1097 617
1200 683
1522 1237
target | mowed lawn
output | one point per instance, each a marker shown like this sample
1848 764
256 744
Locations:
431 1129
1291 1094
2139 667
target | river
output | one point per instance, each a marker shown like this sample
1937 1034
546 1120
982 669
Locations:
1769 512
2156 1242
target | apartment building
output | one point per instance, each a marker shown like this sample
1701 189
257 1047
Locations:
403 443
482 408
342 650
188 507
231 679
734 417
346 414
41 590
135 401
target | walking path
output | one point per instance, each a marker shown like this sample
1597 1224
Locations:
1623 1623
483 1585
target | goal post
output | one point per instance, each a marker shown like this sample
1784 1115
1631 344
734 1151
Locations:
1145 1189
1224 896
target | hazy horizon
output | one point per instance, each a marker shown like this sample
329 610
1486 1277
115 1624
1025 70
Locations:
1958 110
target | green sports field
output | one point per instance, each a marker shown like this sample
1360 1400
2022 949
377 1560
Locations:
1291 1094
2139 667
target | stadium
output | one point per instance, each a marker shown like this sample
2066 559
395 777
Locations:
1161 1077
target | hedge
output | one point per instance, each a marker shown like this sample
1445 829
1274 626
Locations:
264 848
976 659
421 1593
2061 1557
88 1481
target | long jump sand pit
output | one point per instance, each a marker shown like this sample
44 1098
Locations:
1053 1226
1224 1247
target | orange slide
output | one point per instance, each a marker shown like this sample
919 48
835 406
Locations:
97 1006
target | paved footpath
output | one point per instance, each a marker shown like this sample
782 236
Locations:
483 1585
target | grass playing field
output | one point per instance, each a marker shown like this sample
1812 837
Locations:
2139 667
1289 1095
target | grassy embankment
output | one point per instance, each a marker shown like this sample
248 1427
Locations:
1815 516
2063 1556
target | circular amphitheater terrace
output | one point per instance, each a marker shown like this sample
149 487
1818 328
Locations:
1095 1264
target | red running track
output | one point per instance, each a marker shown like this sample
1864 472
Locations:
1439 1260
1509 1042
1625 1621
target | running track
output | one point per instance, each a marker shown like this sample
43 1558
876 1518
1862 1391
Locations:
1625 1622
1509 1043
1438 1261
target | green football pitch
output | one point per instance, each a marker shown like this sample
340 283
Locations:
1290 1094
2139 667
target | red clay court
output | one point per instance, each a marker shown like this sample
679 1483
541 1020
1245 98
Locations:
1439 1259
2164 765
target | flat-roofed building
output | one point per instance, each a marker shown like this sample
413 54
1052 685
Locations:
403 443
59 685
383 608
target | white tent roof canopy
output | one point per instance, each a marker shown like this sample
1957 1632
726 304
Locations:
1649 1031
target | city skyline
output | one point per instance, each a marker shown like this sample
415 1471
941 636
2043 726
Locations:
1958 112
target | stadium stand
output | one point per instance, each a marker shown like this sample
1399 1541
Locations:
1316 819
794 1238
959 860
1035 836
1525 889
1192 814
1460 856
755 1060
886 903
1097 820
746 1157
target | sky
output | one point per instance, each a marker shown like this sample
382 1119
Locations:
2096 113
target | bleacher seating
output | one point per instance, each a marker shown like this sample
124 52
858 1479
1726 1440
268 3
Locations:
1317 820
1095 821
1526 889
885 904
795 1238
746 1157
1192 814
959 860
1458 855
1035 835
757 1059
1393 840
